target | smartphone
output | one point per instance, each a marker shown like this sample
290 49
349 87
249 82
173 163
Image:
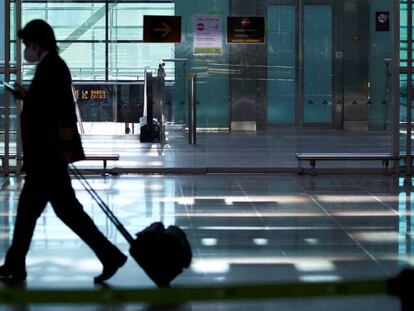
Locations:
9 87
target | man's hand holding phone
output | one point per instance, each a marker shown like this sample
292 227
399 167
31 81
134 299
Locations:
16 90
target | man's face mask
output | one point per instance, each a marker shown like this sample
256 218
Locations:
30 55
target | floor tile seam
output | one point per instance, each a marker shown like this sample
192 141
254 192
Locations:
339 191
3 186
191 226
251 204
351 237
384 203
362 186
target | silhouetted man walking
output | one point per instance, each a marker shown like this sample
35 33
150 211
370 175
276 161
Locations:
51 141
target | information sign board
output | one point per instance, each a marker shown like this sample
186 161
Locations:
162 29
246 29
208 36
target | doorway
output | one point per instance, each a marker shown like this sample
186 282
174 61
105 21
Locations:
318 69
300 62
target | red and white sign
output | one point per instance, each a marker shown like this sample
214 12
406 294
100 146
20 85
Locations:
208 36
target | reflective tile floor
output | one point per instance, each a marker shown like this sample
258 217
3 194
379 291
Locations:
243 229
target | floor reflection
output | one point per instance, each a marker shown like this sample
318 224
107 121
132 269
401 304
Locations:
243 229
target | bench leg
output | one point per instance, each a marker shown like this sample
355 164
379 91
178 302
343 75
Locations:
313 164
386 164
301 170
104 167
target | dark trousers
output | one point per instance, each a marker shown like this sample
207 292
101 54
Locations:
53 186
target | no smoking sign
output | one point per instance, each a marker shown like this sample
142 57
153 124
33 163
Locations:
382 20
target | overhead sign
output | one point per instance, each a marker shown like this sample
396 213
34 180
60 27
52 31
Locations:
246 29
208 36
382 20
162 29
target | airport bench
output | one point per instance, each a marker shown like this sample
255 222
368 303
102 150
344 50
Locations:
385 158
88 157
102 157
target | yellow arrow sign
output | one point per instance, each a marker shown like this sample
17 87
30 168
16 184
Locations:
165 30
162 29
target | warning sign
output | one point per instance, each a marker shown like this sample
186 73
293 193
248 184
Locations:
162 29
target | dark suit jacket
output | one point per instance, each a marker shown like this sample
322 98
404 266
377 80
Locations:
48 119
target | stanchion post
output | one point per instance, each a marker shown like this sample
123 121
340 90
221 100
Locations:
192 122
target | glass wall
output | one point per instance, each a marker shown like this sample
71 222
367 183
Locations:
100 41
314 77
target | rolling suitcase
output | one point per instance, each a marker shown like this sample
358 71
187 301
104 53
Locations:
161 252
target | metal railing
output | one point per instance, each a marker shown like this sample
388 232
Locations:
192 110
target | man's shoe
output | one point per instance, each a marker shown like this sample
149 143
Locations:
7 272
110 268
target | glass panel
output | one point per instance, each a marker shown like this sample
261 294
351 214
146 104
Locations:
281 58
318 64
85 21
126 19
214 71
128 60
180 96
85 60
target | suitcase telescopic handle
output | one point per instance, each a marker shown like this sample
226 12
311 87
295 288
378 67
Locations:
105 208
